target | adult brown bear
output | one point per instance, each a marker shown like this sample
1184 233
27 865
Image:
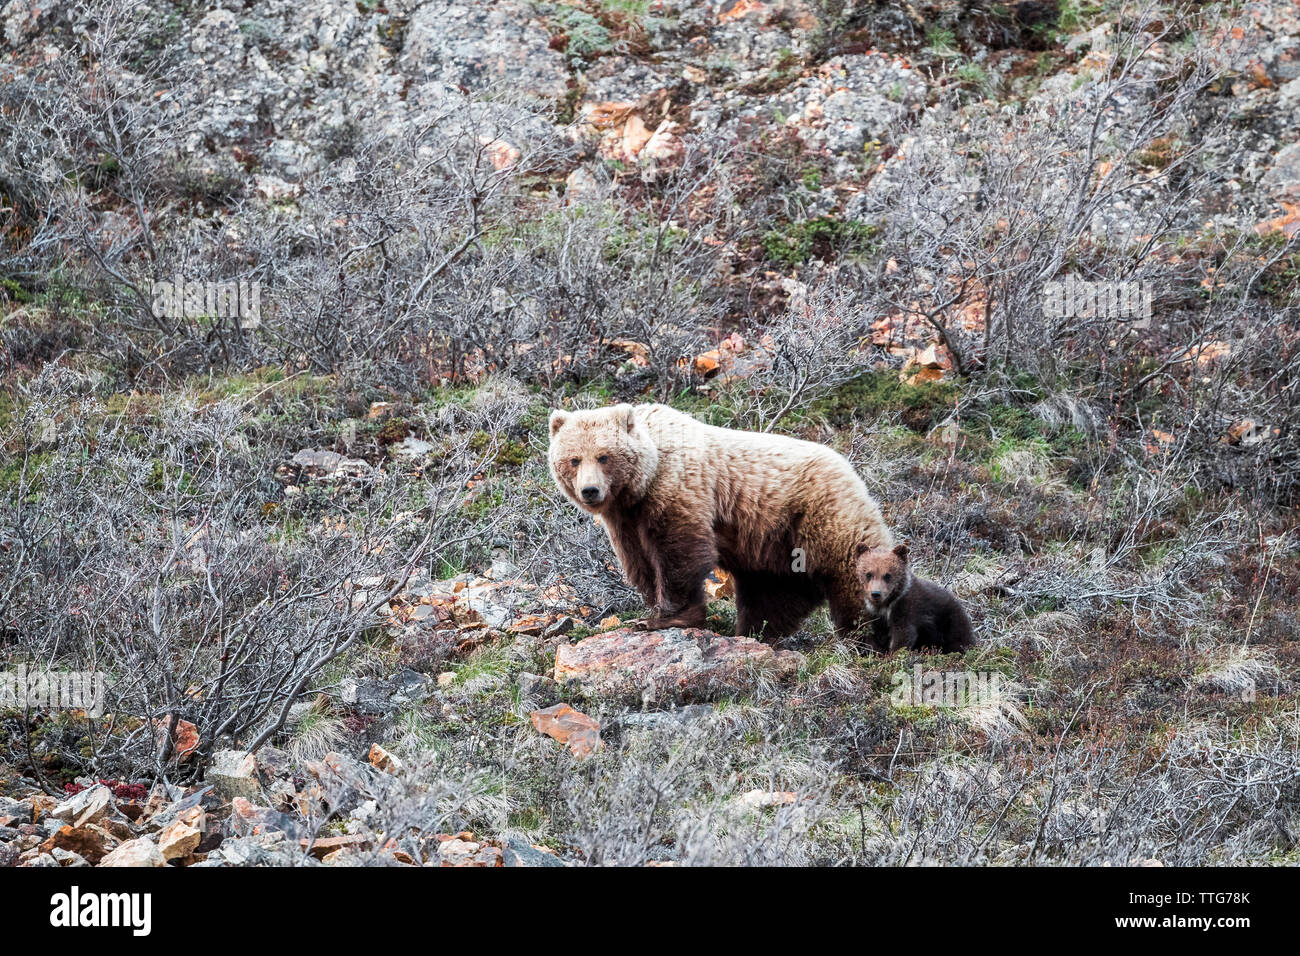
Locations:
679 498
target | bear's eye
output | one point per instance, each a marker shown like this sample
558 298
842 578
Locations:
575 462
602 458
886 578
868 575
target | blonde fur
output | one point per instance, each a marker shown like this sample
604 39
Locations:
676 494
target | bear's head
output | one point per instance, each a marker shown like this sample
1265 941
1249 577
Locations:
883 574
602 455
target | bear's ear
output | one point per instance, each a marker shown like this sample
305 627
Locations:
624 414
861 549
558 418
901 551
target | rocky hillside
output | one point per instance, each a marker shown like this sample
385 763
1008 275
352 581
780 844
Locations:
312 542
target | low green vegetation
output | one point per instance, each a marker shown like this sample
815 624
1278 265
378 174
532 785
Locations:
881 393
823 237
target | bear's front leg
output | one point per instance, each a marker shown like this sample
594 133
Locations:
682 559
635 553
847 605
902 635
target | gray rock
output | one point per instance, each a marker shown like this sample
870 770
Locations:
624 79
22 20
18 811
1288 97
482 46
562 626
140 852
272 764
68 858
88 806
251 821
256 851
369 696
345 782
1283 179
538 686
502 569
328 465
493 615
412 447
168 814
678 718
365 811
233 773
409 687
517 852
850 101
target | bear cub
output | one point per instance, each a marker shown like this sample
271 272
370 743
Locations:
906 611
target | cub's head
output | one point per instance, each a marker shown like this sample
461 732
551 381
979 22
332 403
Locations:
883 574
601 455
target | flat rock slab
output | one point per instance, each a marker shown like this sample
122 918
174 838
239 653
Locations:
569 726
89 806
678 664
138 852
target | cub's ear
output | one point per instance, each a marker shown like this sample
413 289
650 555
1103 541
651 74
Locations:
558 418
860 549
625 414
901 551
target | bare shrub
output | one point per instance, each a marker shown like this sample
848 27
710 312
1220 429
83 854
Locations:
153 543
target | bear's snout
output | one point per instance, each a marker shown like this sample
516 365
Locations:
591 495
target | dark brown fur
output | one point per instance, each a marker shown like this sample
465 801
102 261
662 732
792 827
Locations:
909 612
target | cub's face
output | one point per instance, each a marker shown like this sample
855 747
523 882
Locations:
883 574
601 455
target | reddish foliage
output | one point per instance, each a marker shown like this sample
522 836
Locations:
122 791
357 723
